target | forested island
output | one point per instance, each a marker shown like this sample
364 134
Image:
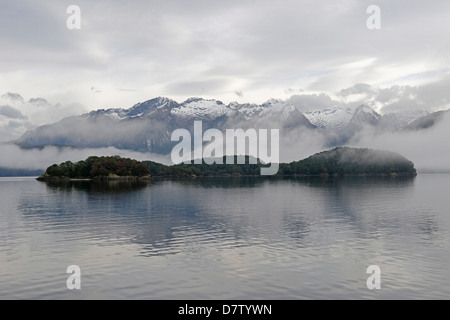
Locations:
341 161
99 168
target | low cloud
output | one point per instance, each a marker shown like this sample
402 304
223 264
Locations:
39 101
311 102
14 157
30 114
11 112
433 96
428 148
14 97
359 88
194 88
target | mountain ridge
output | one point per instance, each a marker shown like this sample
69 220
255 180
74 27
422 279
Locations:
147 126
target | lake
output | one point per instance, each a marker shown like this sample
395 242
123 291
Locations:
226 238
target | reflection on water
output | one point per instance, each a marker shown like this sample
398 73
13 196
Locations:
248 237
224 182
112 186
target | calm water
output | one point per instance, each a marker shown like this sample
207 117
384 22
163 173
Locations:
247 238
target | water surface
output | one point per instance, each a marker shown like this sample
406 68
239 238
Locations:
228 238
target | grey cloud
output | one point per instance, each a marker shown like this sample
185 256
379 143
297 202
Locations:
125 90
11 112
38 101
160 44
403 105
312 102
194 88
429 97
13 125
16 158
35 33
14 97
436 94
427 149
32 113
356 89
392 93
293 91
432 96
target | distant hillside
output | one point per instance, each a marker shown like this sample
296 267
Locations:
188 170
148 126
351 161
8 172
339 161
427 121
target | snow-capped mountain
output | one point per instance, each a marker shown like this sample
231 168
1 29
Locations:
247 111
427 121
147 126
407 117
144 109
336 118
199 109
365 116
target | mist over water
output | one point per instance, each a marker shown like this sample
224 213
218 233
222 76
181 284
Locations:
427 148
230 238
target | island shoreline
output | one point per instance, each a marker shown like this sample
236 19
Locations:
107 179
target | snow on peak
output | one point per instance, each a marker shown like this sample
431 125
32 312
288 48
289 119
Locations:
334 118
247 110
365 115
367 110
274 103
115 114
279 107
198 108
147 107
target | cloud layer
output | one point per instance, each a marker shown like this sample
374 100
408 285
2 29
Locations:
258 48
39 159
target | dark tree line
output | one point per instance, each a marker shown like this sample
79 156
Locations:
350 161
339 161
94 167
215 169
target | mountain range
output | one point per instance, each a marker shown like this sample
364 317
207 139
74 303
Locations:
148 126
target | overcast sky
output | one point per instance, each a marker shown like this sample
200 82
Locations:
234 50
